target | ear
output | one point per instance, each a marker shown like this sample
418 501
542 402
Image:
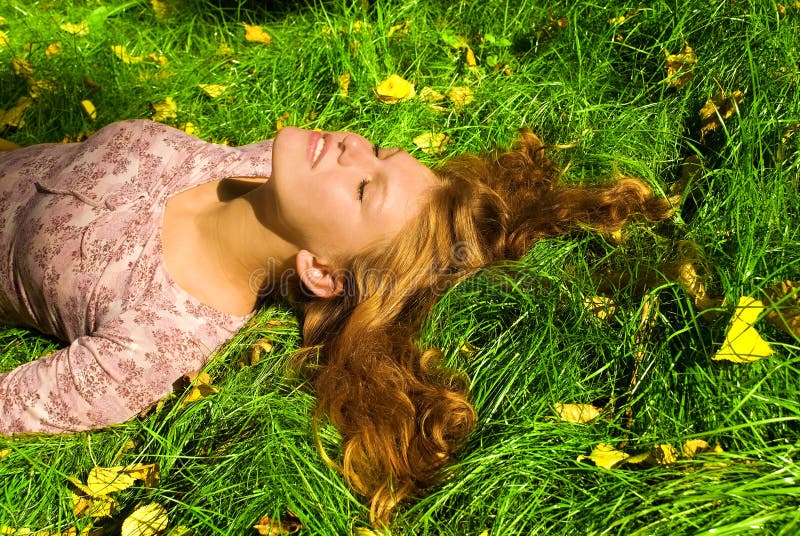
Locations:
317 276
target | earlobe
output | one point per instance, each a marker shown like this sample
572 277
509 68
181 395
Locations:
317 276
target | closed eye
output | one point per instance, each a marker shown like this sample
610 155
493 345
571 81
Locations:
376 149
361 186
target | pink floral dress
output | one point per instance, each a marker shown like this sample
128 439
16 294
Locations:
81 259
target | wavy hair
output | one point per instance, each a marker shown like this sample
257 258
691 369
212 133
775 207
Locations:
401 414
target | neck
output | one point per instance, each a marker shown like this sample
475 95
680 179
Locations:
244 251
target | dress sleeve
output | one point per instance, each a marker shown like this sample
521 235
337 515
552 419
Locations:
104 378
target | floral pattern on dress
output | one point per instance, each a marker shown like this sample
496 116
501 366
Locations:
81 259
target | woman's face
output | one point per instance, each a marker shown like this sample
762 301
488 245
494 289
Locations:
336 193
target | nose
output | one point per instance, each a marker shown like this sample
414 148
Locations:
355 149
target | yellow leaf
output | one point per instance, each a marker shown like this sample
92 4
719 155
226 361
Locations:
279 123
718 108
431 143
2 21
164 9
189 128
167 109
105 480
53 49
89 109
399 29
201 388
743 344
605 456
267 526
470 57
428 94
680 67
4 453
344 84
582 413
79 29
601 307
256 34
658 455
148 520
13 116
22 67
3 39
213 90
262 345
83 505
363 531
785 310
224 50
692 447
146 472
161 61
122 54
460 96
468 349
394 89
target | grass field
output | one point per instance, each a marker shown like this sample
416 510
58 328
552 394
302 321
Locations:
590 78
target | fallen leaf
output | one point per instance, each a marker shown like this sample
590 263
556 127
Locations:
262 345
3 39
122 54
148 520
785 306
743 344
581 413
781 10
161 61
164 9
718 108
53 49
344 84
470 58
658 455
189 128
431 143
601 307
105 480
200 389
468 349
394 89
213 90
693 447
267 526
79 29
428 94
605 456
460 96
167 109
83 505
23 67
399 29
146 472
13 116
4 453
89 109
680 67
223 50
279 123
256 34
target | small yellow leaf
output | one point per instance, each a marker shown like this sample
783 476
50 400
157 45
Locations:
431 143
122 54
680 67
79 29
3 39
200 389
224 50
164 9
394 89
262 345
2 21
161 61
785 310
344 84
167 109
189 128
213 90
470 58
581 413
22 67
743 344
601 307
256 34
460 96
468 349
693 447
53 49
718 108
146 472
105 480
181 530
83 505
605 456
13 116
399 29
89 109
4 453
428 94
279 123
148 520
267 526
363 531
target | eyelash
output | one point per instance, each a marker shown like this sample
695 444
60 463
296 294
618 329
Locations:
361 186
376 148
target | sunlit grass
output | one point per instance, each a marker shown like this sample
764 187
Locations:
594 86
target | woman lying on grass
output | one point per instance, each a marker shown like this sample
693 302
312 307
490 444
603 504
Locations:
147 248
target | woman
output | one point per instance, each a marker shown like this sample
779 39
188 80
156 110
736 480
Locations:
147 248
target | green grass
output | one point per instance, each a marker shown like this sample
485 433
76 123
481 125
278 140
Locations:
248 451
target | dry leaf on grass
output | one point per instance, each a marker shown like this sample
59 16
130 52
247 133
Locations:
148 520
53 49
600 307
256 34
344 84
399 29
718 108
431 143
164 9
289 524
460 96
80 29
213 90
605 456
167 109
3 39
785 310
13 116
581 413
743 344
200 389
394 89
680 67
88 108
693 447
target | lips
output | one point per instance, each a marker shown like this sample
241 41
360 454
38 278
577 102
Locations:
317 147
